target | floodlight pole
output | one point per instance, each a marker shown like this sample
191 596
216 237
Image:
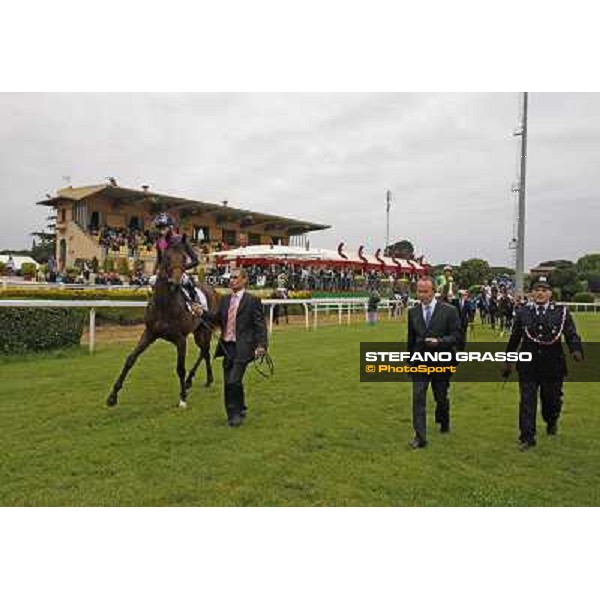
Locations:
387 210
520 259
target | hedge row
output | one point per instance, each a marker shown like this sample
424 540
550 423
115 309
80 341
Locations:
66 294
111 294
120 316
37 329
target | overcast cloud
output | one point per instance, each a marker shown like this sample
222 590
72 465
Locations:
449 159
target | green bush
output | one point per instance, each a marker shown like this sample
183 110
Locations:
593 281
120 316
28 269
123 266
37 329
2 267
584 297
108 265
91 293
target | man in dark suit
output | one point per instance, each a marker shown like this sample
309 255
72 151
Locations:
465 313
243 338
433 326
538 328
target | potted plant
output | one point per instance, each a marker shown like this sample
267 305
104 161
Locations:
28 270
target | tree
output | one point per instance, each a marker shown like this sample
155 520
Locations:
593 280
589 263
474 271
43 246
403 249
497 271
566 279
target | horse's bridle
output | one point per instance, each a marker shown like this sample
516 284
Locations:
167 271
264 366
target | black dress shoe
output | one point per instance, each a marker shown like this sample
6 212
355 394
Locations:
526 445
552 428
445 428
416 444
236 421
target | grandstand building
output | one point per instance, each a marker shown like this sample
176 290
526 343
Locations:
112 222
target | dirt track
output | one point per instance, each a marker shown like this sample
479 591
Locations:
107 334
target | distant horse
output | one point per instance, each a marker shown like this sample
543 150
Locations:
505 311
168 318
280 294
493 310
482 305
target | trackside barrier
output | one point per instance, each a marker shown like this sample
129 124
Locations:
315 304
341 305
91 304
581 306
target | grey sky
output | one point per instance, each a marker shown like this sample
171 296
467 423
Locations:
449 159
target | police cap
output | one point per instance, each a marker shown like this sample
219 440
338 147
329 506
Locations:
541 282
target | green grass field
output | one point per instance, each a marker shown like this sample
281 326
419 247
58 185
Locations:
314 435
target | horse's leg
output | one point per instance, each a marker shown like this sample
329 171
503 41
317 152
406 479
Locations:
190 378
203 342
207 362
145 341
181 351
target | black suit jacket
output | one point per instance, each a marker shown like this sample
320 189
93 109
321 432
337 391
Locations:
250 326
548 360
444 325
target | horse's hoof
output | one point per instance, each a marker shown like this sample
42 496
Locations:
111 400
182 404
208 384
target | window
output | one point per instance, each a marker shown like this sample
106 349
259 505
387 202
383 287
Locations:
95 221
200 235
253 239
134 223
229 237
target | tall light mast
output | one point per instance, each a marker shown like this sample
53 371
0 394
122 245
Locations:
520 242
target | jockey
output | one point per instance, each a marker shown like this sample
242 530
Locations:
166 238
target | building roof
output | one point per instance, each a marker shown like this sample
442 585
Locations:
223 213
18 259
282 253
541 269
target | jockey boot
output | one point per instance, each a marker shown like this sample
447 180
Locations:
194 304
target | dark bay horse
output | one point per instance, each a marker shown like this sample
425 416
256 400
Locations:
278 309
168 318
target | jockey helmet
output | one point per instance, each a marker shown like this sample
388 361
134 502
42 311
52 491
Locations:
163 220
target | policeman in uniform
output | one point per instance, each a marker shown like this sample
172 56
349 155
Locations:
538 328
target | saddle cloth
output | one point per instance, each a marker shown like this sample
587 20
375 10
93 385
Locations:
201 296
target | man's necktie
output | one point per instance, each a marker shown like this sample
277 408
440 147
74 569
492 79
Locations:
427 315
231 314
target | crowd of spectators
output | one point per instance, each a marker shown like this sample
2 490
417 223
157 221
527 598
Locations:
308 278
115 238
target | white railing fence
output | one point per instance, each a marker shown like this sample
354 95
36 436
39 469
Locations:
344 307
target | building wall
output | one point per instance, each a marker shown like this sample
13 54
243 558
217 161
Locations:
80 244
